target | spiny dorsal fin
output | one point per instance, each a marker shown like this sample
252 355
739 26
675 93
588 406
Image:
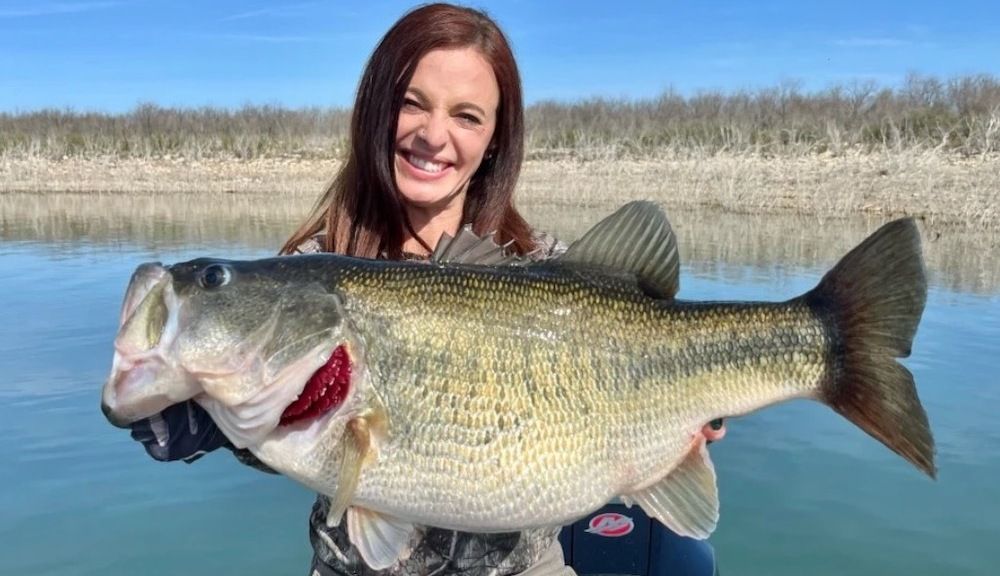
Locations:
636 239
468 248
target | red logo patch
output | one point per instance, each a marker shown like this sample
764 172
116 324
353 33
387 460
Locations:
611 525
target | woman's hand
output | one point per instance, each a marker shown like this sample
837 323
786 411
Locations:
183 431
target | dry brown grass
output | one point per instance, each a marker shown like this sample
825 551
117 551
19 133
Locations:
959 115
943 189
940 188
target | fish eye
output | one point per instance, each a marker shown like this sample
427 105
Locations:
214 276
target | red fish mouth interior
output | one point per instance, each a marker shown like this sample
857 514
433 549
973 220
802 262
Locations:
326 389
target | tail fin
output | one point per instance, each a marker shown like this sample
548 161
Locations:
876 295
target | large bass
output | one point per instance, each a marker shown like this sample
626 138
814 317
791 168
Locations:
502 397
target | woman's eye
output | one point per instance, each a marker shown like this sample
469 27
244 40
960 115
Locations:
470 119
411 104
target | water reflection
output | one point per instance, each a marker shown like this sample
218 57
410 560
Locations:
163 221
962 260
711 242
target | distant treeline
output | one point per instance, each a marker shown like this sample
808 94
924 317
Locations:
959 115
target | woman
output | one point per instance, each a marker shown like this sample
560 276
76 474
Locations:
436 142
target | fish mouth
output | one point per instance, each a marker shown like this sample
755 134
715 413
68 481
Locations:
325 390
125 400
143 382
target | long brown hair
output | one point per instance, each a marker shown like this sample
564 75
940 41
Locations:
361 212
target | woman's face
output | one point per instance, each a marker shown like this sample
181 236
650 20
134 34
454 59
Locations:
445 126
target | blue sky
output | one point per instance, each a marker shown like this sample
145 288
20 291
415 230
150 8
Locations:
110 55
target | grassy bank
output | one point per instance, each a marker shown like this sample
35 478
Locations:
942 188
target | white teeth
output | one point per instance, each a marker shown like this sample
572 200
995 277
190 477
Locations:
425 165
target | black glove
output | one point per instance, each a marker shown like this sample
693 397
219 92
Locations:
183 431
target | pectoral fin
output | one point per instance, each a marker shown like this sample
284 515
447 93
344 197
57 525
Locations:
358 447
687 500
381 540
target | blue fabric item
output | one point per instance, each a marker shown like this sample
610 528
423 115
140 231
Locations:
183 431
629 542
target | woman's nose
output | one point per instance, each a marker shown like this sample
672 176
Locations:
434 131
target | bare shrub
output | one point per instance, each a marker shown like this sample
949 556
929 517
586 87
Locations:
960 115
152 131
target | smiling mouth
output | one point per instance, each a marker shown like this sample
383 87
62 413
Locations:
429 166
326 389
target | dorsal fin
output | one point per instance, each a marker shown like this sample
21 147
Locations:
636 239
468 248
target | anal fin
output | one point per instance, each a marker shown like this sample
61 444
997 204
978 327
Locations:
687 499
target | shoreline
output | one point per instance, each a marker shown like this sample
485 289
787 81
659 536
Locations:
941 189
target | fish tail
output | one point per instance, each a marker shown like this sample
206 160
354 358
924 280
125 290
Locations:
875 296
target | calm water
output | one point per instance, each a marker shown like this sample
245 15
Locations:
803 491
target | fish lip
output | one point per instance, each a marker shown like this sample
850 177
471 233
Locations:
122 400
147 278
144 279
113 418
127 399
